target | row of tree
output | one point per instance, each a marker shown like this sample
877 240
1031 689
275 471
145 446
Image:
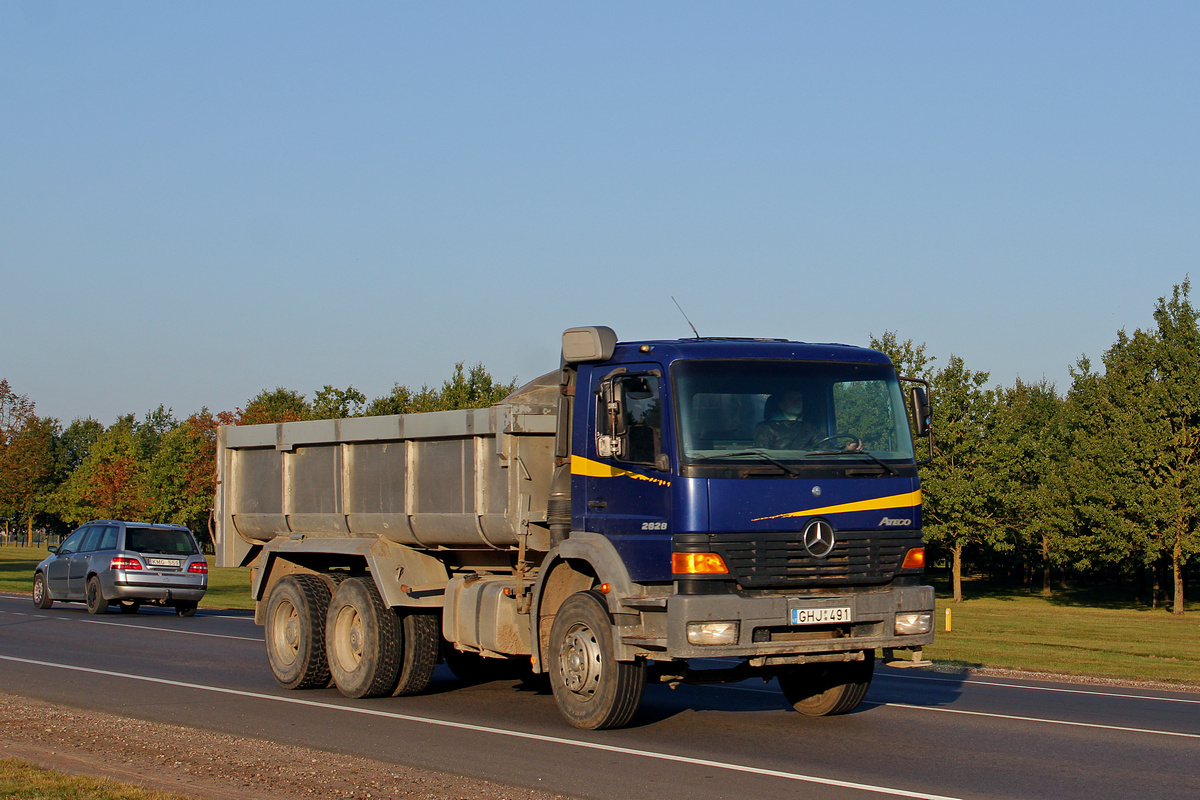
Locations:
52 478
1102 480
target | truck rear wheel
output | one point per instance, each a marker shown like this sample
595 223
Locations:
362 640
421 635
593 690
295 632
825 689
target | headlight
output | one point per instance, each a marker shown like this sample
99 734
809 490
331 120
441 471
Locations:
712 632
909 624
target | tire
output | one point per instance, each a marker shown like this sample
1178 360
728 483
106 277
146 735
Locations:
421 635
362 640
820 690
130 606
96 604
295 632
186 609
41 594
593 690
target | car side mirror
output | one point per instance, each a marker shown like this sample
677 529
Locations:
53 549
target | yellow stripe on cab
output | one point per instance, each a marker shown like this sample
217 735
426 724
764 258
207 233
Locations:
908 500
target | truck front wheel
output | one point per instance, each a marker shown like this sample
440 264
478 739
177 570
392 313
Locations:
362 640
825 689
295 632
592 688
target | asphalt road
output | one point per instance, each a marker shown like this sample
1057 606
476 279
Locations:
919 734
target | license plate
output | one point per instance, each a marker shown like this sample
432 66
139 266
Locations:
163 562
820 616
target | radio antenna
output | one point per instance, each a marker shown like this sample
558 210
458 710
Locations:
685 316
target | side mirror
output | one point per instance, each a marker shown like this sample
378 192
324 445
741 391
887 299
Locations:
53 549
922 412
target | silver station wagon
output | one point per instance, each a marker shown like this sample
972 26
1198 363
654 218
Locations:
130 563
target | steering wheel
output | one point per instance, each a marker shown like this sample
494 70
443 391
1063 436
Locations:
852 442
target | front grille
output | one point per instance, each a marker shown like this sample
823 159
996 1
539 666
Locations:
759 560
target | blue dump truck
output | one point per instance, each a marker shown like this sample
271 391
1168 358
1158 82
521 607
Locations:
687 511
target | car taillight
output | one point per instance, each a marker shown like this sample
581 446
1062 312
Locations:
199 566
124 562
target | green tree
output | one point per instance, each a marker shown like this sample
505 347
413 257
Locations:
960 485
331 403
110 481
27 470
1027 444
474 388
1134 470
278 405
181 475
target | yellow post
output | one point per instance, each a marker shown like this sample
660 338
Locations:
947 620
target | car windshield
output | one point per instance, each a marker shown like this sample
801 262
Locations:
159 540
790 412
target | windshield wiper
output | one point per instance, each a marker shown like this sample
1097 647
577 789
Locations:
757 454
866 453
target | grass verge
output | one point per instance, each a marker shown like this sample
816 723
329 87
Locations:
20 779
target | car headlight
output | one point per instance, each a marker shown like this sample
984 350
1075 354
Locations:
917 622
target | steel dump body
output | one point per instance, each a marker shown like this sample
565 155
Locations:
469 480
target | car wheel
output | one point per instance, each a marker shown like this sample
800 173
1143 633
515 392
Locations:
362 640
295 631
820 690
41 595
186 609
593 690
130 606
96 604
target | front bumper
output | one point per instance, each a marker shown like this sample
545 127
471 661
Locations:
766 636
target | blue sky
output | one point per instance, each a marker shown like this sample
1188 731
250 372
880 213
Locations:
199 201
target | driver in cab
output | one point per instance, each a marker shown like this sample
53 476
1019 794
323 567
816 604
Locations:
785 428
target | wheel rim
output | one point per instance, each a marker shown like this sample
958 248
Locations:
580 661
285 633
39 589
348 639
93 593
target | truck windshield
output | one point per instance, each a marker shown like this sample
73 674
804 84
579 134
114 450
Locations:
791 412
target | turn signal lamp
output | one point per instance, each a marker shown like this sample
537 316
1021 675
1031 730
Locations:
125 562
200 567
698 564
914 559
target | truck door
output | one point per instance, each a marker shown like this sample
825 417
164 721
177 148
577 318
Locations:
625 471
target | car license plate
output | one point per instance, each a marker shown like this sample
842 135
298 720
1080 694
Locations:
821 616
163 562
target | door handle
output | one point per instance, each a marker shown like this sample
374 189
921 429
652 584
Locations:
597 504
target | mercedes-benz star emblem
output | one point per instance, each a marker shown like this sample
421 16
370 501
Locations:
818 538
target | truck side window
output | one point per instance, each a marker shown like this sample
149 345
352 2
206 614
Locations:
630 418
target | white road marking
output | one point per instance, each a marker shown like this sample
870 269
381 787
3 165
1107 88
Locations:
792 776
1090 692
1004 716
160 630
1046 721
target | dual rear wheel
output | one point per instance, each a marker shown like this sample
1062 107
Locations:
319 630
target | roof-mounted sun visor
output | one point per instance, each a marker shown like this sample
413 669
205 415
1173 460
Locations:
592 343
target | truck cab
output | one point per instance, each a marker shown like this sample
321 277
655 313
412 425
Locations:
762 497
